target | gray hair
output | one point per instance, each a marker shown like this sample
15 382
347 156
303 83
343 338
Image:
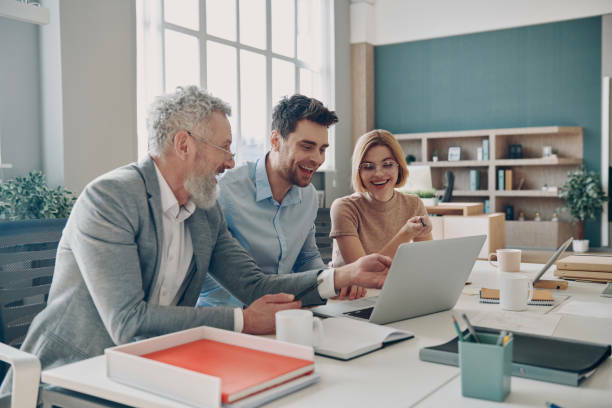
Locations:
183 109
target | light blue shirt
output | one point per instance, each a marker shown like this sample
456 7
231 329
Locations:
279 236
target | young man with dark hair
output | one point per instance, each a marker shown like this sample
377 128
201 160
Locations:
269 205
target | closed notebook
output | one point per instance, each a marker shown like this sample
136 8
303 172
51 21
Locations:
243 371
541 297
586 263
584 275
346 338
544 358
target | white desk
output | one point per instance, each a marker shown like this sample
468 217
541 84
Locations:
394 376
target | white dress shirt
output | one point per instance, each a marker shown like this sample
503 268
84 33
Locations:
177 248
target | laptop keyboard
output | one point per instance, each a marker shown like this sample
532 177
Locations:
361 313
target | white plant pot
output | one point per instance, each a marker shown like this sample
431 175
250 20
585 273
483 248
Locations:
580 245
430 202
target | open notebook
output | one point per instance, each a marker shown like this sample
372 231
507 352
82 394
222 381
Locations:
344 338
541 297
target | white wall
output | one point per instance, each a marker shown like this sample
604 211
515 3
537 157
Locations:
338 182
19 97
89 109
52 142
409 20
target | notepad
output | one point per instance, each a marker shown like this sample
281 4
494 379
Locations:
541 297
345 338
243 371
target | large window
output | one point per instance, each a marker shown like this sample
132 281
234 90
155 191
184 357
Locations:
249 53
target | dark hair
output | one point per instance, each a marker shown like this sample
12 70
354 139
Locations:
289 111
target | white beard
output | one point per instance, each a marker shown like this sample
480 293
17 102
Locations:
203 190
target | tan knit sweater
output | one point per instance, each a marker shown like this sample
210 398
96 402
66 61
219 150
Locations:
373 222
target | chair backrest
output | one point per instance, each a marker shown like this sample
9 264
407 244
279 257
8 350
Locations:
27 260
323 227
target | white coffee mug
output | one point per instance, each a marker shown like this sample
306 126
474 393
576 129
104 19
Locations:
515 291
298 326
508 260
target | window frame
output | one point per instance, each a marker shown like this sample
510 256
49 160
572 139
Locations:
325 72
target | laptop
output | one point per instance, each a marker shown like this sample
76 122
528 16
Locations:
425 277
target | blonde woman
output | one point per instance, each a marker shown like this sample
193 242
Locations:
376 218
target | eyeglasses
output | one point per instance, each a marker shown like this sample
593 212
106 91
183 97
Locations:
386 166
233 155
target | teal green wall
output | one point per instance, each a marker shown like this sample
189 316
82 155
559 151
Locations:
548 74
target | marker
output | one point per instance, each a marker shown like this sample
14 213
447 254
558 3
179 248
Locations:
459 334
502 336
552 405
507 339
470 328
423 223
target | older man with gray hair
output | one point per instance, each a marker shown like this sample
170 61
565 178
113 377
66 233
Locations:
141 239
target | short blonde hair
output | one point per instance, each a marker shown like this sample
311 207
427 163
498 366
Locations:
378 137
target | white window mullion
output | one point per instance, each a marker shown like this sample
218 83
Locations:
203 46
163 53
238 108
295 47
268 72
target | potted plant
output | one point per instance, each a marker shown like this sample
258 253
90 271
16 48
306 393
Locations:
29 208
428 197
584 198
434 157
26 198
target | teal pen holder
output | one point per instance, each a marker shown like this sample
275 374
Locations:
486 369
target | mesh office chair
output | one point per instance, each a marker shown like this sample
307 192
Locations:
27 260
323 227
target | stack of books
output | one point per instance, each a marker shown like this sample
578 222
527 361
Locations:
594 268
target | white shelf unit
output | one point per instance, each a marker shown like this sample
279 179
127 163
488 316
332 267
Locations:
535 170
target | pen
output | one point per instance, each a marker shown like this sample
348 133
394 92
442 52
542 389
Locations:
470 328
502 336
552 405
457 328
300 295
423 223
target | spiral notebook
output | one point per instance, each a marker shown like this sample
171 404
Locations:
541 297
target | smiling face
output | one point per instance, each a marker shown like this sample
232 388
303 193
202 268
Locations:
302 152
210 159
379 172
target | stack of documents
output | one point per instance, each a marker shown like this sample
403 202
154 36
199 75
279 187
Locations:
596 268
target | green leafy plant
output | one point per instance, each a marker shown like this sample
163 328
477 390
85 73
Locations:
584 196
426 193
410 158
24 198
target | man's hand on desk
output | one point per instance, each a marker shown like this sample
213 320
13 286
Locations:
259 317
368 271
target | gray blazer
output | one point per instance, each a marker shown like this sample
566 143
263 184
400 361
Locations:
108 260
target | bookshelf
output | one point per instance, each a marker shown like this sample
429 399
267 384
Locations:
535 171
